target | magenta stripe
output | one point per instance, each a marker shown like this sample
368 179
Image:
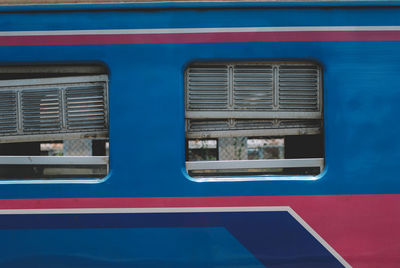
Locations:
223 37
169 202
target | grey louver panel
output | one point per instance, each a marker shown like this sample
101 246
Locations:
53 108
85 107
252 87
262 98
299 87
207 87
8 112
41 110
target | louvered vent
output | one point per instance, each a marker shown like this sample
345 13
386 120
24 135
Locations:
85 107
252 87
299 87
300 123
254 124
41 110
8 112
253 99
207 88
53 108
208 125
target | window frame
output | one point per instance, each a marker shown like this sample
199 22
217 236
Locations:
266 163
60 84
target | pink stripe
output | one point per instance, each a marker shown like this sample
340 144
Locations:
168 202
115 39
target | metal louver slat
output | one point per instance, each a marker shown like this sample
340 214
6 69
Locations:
8 112
85 107
41 110
252 87
299 87
207 88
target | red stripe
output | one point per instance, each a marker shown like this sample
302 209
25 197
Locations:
237 37
160 202
364 229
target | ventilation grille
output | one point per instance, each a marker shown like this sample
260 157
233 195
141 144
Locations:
252 87
207 88
300 123
299 87
41 110
67 106
249 124
238 87
208 125
85 107
8 112
254 124
253 97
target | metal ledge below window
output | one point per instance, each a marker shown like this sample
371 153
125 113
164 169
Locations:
54 160
252 133
255 164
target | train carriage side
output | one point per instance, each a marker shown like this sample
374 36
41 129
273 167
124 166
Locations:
200 134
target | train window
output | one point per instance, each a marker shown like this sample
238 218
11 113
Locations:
53 122
254 120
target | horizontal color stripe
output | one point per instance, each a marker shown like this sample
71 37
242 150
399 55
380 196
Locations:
200 35
138 210
168 202
203 30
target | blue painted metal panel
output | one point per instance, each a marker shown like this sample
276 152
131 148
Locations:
124 247
276 239
191 18
148 80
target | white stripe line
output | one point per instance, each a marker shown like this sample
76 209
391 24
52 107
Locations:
201 30
140 210
180 210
